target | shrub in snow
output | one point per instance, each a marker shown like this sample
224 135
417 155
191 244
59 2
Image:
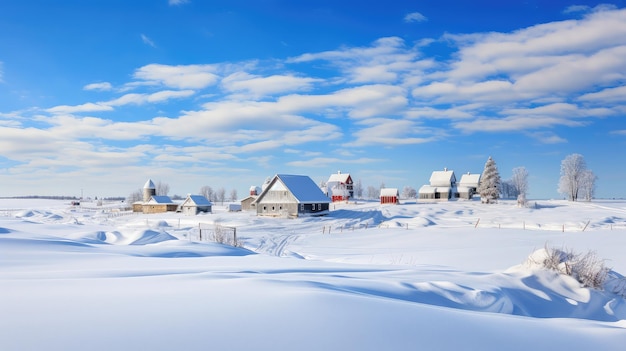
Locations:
225 235
588 269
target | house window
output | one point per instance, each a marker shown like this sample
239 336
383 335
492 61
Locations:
301 207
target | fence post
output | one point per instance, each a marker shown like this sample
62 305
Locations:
478 221
199 231
234 236
586 225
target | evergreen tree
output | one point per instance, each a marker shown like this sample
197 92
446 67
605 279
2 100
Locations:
489 188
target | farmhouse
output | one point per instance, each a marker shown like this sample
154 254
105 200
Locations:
389 196
442 186
340 187
468 185
159 204
195 204
287 195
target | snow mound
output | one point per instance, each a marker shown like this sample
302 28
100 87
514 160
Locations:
148 236
139 237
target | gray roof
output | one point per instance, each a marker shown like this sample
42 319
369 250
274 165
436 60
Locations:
149 185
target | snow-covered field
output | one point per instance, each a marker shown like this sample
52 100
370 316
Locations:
418 276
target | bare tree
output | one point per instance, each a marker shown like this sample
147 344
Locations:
372 192
135 196
233 195
207 192
162 189
409 192
358 189
574 173
220 195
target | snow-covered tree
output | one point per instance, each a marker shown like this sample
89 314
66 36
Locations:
575 176
489 188
409 192
588 185
520 182
233 195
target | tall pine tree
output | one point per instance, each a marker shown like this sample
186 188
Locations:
489 188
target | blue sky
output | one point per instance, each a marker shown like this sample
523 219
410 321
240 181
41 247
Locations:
98 96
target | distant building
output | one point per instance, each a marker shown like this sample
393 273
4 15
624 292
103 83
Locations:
248 203
159 204
152 203
389 196
442 186
339 187
287 195
195 204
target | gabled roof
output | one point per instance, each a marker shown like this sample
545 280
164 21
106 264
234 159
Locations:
471 180
389 192
303 188
160 199
197 200
442 178
339 177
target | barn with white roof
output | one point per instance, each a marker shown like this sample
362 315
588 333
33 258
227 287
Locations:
287 195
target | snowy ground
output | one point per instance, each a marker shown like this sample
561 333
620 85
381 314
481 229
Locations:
435 276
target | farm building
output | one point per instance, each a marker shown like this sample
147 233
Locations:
340 187
468 185
195 204
442 186
248 203
159 204
287 195
389 196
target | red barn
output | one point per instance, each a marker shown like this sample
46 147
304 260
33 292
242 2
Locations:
389 196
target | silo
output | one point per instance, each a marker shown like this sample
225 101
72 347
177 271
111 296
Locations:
149 190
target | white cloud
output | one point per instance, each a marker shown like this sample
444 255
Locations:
87 107
323 162
147 41
610 95
179 77
103 86
177 2
259 86
415 17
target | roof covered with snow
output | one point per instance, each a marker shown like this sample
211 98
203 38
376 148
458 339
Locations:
389 192
339 177
470 180
302 187
442 178
149 185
